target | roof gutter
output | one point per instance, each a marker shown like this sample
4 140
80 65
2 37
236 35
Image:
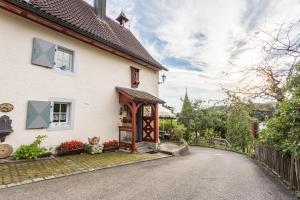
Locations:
30 8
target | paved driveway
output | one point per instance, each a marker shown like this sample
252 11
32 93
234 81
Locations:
206 174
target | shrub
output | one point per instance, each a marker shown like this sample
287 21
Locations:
167 125
70 145
31 151
179 130
211 133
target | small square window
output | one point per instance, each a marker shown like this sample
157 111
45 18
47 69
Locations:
61 114
135 77
64 59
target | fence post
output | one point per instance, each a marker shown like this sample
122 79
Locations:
292 170
297 173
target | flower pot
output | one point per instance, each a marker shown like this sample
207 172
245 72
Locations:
70 152
45 155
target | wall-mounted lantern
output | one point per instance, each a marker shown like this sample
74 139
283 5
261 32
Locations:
163 78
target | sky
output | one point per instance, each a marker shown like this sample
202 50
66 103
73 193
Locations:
204 44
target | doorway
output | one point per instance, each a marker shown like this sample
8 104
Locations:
139 125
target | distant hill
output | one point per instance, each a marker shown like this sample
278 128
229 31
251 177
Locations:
263 111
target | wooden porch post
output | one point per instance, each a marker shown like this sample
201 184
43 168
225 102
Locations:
133 111
156 124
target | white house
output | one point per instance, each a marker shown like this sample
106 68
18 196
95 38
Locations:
71 72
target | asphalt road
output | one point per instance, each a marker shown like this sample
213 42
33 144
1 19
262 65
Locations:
205 174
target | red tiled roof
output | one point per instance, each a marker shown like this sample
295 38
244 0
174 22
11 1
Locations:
139 96
80 14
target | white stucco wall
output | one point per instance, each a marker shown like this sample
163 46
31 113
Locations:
92 87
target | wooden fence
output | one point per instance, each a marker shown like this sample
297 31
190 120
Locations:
287 167
218 141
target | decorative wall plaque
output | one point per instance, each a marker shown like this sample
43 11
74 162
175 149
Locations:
147 111
5 151
6 107
5 127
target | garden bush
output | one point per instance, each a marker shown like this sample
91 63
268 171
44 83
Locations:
283 129
31 151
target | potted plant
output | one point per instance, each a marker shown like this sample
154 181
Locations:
70 148
126 121
112 145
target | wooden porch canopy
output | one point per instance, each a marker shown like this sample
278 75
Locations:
136 99
137 96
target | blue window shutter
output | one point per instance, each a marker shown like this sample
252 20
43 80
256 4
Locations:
38 114
43 53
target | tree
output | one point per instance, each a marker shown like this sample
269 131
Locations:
167 125
186 116
200 119
238 123
217 120
283 130
282 54
238 128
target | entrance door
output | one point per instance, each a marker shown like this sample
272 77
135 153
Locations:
139 124
148 123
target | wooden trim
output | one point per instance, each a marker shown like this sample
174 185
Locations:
130 106
124 144
139 105
133 112
54 26
123 97
135 77
156 124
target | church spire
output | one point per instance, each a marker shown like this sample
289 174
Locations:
186 102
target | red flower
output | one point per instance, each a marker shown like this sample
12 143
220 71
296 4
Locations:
71 145
111 144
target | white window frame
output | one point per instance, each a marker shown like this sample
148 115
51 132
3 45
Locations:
59 123
69 124
72 60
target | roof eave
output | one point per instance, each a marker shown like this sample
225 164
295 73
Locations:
30 8
122 90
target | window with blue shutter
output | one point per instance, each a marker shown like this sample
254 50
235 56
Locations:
38 114
43 53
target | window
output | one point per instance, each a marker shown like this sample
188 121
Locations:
135 77
64 59
147 111
61 115
52 56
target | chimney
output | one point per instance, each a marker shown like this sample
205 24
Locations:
100 8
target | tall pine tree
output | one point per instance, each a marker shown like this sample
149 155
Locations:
186 116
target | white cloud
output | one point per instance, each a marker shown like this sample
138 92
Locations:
201 31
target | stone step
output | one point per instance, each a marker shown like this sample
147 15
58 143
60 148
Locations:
143 147
139 144
144 150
